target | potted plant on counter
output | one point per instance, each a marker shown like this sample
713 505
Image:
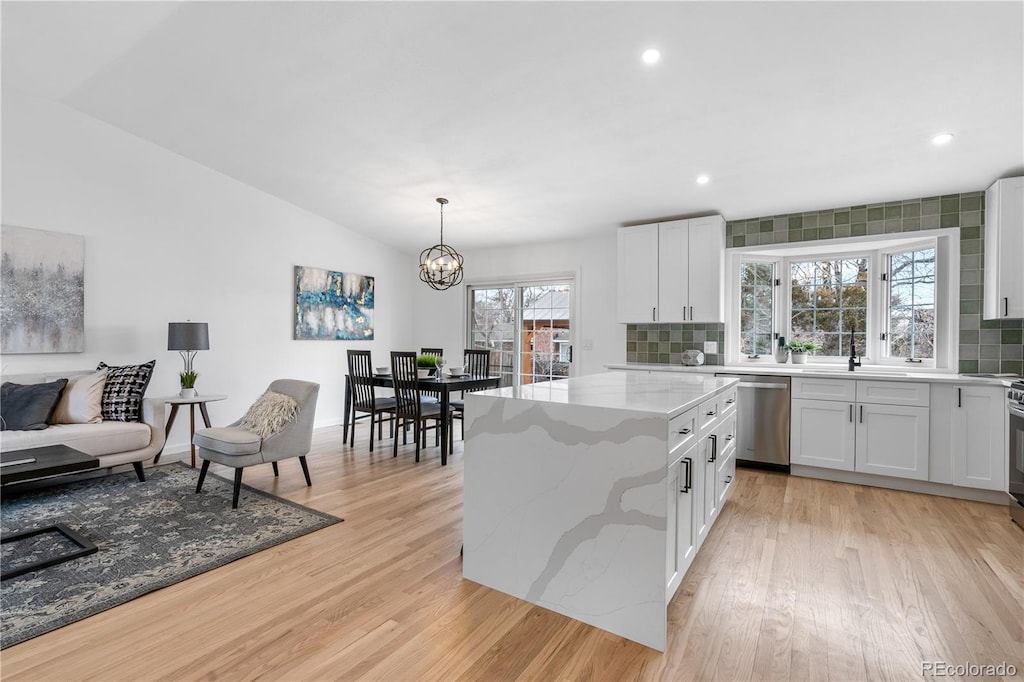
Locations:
188 384
801 349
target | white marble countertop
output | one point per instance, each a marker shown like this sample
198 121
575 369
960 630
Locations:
835 372
660 393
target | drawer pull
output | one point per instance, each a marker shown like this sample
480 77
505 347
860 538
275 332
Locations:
729 437
730 401
712 413
684 432
728 479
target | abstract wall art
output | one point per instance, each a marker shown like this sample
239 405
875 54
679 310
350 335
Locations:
42 291
333 305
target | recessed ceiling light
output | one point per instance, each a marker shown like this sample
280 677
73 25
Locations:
651 56
942 138
703 180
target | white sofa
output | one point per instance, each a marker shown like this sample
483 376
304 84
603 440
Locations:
111 442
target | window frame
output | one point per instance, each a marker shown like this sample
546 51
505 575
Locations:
885 299
877 249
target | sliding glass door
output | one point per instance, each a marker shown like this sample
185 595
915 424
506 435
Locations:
527 326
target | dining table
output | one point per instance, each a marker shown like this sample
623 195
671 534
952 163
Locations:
444 387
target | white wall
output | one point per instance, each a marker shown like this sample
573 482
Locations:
166 240
441 314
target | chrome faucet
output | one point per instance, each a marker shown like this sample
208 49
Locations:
854 360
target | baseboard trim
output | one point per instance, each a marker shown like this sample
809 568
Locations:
906 484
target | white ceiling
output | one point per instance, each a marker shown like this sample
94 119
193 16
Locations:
537 120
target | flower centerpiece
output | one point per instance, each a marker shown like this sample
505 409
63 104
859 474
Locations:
426 364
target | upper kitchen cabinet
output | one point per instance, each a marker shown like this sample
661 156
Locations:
1004 249
672 271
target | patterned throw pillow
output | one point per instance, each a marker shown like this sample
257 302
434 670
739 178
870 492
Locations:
122 394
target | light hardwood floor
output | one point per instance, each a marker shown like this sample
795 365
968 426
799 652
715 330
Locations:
800 579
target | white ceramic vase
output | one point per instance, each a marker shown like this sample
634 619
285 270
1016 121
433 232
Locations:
799 358
187 393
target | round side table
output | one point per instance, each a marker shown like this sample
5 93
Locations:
175 402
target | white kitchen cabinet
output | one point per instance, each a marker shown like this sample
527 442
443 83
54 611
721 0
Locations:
672 271
1004 250
822 434
682 529
638 274
882 437
892 440
979 437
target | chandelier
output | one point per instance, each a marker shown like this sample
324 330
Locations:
441 265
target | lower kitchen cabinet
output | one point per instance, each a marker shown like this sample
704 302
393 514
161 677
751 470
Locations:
684 500
883 439
892 440
975 421
699 483
822 434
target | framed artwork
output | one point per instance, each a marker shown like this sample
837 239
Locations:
333 305
42 292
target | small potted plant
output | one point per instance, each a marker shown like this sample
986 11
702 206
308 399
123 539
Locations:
426 365
800 349
188 384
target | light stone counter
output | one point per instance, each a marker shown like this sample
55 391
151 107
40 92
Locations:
832 371
565 495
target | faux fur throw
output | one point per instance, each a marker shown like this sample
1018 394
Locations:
269 414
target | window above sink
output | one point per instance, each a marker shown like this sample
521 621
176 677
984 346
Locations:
899 293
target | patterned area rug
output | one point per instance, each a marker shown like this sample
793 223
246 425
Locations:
150 535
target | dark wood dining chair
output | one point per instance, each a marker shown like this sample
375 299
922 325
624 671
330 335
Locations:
364 397
409 403
478 364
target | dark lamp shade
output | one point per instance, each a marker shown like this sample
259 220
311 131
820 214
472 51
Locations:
188 336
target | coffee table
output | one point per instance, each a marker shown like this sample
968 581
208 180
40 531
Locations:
51 460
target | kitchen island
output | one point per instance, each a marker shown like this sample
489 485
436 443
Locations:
591 496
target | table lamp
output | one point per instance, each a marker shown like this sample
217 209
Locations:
187 338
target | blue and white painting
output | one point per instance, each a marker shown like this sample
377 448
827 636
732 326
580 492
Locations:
333 305
42 292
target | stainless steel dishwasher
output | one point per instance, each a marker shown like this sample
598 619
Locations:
762 421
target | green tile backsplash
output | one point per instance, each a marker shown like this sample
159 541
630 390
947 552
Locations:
663 344
985 345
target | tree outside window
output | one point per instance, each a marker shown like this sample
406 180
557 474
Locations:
829 298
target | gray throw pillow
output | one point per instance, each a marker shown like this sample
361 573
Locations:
27 407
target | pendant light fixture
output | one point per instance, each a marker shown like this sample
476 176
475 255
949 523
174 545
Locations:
441 265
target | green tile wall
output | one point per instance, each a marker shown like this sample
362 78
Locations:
985 345
663 344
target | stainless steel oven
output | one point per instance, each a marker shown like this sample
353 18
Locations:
1015 407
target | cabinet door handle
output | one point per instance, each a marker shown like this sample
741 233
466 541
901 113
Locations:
851 413
688 480
728 479
714 448
1006 307
959 397
684 313
691 313
654 314
861 414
